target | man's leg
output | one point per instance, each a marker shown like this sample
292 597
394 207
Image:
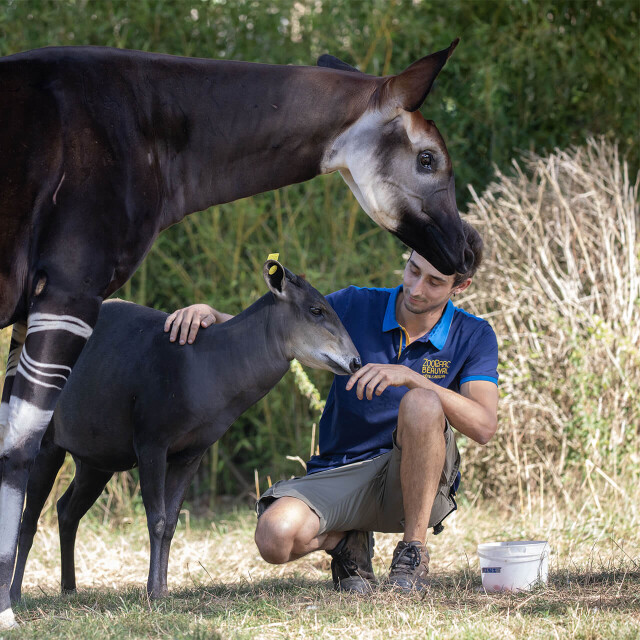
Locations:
420 436
288 530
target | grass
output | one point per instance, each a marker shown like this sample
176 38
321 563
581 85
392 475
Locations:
220 588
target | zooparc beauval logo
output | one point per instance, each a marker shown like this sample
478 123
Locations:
435 369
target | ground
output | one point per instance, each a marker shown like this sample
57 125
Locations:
220 588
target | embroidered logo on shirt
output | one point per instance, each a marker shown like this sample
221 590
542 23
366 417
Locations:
435 369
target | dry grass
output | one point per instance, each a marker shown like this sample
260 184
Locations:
220 585
561 286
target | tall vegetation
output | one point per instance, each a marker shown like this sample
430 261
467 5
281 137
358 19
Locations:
527 76
561 287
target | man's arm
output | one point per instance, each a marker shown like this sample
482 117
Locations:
186 322
473 411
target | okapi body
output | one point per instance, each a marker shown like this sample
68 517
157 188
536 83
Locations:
135 398
103 148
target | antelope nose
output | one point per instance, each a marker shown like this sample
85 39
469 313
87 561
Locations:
355 364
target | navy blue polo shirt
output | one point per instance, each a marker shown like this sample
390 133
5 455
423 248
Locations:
460 347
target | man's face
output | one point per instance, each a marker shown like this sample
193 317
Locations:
425 288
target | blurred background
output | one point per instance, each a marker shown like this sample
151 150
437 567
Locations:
540 109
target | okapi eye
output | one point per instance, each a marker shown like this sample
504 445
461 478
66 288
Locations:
316 311
425 159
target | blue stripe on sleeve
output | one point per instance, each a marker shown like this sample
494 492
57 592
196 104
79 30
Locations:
487 378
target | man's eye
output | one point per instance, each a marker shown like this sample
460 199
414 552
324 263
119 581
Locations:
316 311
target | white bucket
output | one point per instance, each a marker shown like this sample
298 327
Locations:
513 566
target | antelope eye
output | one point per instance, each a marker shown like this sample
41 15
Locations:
425 159
316 311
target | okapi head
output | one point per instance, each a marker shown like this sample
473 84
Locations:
397 164
312 331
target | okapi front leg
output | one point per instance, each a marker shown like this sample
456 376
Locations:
41 480
57 330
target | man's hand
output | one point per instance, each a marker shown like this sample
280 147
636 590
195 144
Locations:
186 322
375 378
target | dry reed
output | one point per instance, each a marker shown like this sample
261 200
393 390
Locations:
561 287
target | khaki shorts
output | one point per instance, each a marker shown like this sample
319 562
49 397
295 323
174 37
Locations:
367 495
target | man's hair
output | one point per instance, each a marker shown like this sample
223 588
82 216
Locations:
475 245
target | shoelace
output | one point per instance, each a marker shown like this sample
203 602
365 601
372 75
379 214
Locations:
348 563
408 558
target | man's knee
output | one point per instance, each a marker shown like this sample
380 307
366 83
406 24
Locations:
278 528
420 410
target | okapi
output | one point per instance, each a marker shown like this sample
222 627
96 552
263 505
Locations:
162 406
103 148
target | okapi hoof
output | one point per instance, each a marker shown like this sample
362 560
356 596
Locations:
7 620
158 594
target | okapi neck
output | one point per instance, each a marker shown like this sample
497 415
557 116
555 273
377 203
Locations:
275 125
254 338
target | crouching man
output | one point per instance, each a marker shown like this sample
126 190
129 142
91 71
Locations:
388 459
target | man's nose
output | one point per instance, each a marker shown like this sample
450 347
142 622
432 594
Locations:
419 288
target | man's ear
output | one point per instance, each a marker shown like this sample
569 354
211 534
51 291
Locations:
409 89
462 286
273 273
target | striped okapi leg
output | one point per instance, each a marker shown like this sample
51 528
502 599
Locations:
18 336
53 343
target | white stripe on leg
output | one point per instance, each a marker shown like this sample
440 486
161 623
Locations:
53 322
25 420
11 503
43 365
29 368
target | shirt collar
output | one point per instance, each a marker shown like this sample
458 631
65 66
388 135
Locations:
437 336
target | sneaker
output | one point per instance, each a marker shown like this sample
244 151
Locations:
351 566
409 567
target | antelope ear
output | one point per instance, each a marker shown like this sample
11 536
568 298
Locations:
274 276
326 60
408 89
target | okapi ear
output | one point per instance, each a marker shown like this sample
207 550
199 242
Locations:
274 276
326 60
408 89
